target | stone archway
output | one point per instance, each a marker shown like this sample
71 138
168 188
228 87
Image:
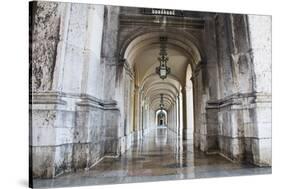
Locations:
149 86
161 117
94 98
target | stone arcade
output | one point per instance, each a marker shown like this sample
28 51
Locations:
95 94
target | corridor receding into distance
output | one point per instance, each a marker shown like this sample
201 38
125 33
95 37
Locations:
126 94
161 155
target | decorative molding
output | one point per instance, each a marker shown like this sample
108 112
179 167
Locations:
237 99
46 98
154 20
167 12
83 100
90 101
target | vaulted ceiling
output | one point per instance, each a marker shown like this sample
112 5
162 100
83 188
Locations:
142 54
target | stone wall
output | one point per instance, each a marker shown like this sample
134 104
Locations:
86 104
201 135
46 23
73 124
242 133
260 40
49 115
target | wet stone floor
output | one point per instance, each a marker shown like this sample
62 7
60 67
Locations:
159 156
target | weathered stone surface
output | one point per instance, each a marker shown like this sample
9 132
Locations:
260 38
42 162
45 37
94 91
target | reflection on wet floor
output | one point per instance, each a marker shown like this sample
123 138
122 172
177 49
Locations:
160 155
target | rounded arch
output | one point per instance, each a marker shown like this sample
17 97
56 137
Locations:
154 78
184 50
184 39
168 87
161 121
153 86
155 102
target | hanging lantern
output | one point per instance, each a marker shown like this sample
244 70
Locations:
161 114
163 70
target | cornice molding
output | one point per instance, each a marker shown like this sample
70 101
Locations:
239 99
157 20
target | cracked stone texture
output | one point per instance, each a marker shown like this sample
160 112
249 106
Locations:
45 37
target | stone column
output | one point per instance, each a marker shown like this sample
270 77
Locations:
136 112
172 125
190 124
210 49
47 116
141 114
66 73
260 40
82 79
212 80
113 80
184 115
178 115
49 20
181 114
199 81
